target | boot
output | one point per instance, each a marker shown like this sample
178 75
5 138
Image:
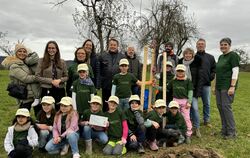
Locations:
197 132
88 146
141 149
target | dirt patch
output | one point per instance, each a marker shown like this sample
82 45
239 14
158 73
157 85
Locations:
185 152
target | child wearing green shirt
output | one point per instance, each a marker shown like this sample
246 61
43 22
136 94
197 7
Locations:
182 89
136 128
117 129
122 84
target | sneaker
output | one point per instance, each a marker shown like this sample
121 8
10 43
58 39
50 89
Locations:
141 149
76 155
153 146
197 133
188 140
64 150
207 124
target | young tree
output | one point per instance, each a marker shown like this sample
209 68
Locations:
165 22
5 46
244 57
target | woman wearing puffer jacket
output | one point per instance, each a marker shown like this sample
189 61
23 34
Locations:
20 72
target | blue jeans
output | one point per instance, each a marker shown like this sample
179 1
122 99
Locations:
194 113
140 136
123 103
205 96
71 139
44 137
89 133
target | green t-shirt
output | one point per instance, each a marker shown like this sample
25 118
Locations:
86 114
123 84
83 93
115 124
130 117
153 116
224 66
180 88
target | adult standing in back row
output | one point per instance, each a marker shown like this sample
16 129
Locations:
109 66
206 75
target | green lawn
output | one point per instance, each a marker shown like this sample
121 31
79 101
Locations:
239 148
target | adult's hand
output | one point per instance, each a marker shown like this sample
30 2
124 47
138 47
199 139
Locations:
231 91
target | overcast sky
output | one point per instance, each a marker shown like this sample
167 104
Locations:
37 22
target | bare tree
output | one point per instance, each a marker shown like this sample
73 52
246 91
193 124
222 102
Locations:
5 44
165 22
244 57
101 19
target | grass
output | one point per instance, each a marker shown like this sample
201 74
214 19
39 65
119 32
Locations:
238 148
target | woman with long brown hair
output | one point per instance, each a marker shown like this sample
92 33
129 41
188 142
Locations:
52 73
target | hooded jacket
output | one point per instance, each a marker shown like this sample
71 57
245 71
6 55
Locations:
21 74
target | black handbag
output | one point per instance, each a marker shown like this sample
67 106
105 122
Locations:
17 91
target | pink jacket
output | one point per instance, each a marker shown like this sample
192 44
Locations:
71 124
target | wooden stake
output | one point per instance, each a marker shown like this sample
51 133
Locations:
144 74
164 88
151 78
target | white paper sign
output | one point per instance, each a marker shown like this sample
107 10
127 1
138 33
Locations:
98 120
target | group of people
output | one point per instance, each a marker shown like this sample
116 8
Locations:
64 98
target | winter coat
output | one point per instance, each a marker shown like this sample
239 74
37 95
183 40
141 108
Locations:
135 67
208 68
94 63
71 124
195 67
21 74
8 141
109 66
45 77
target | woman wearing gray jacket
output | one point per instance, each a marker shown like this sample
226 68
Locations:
21 73
52 73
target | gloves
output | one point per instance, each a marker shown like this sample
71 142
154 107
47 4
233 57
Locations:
36 102
138 117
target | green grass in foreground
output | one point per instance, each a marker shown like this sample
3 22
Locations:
239 148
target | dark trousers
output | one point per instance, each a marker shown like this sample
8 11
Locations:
56 93
21 151
140 136
106 93
26 105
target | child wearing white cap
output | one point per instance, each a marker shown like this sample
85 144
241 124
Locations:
182 90
83 86
122 84
92 131
45 120
65 130
21 137
136 128
117 129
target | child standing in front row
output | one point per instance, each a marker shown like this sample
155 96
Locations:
21 137
117 129
182 89
122 84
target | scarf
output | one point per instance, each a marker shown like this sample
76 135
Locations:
86 81
20 128
188 71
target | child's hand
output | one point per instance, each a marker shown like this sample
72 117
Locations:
107 124
155 124
43 126
84 123
124 141
188 105
133 138
57 140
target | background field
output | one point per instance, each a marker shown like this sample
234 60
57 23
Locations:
239 148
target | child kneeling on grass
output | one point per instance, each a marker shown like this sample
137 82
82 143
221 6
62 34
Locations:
117 129
21 137
175 122
90 131
136 128
65 130
45 120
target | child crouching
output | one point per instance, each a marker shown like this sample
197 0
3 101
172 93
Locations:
117 130
21 138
